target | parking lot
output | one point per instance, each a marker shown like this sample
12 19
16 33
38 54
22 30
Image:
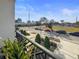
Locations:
67 42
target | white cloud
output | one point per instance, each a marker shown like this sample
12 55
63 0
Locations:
67 12
70 12
22 12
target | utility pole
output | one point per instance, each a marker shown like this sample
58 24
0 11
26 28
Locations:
76 19
29 14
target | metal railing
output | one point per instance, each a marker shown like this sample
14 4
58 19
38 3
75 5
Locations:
48 52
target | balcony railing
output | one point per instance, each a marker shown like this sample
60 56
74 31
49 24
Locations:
49 53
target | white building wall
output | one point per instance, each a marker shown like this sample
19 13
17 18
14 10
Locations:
7 19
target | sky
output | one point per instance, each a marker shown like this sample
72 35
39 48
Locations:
66 10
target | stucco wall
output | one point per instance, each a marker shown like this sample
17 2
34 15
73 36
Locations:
7 16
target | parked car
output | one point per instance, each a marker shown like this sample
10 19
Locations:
61 32
75 34
48 30
38 29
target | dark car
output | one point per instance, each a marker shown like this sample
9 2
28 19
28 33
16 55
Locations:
47 30
75 34
38 29
61 32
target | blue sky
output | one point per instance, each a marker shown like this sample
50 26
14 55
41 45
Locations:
66 10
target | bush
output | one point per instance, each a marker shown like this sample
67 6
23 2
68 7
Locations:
38 39
47 42
24 32
17 28
14 50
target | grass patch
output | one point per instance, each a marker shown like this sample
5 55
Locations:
65 28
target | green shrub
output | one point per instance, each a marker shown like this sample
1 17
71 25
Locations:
38 39
47 42
17 28
14 50
24 32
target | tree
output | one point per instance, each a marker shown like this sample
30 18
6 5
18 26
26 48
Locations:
47 42
77 22
43 20
49 26
52 21
19 20
29 22
38 39
38 23
62 21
